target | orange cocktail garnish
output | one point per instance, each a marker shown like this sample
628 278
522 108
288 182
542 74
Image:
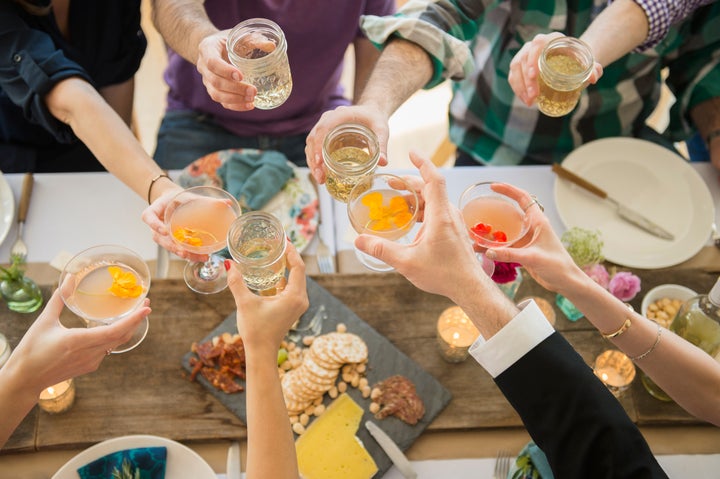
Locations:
124 283
192 236
383 218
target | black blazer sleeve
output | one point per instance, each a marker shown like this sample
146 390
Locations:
573 418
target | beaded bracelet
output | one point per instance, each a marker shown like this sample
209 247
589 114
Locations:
625 326
152 182
652 348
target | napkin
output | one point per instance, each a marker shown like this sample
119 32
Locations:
254 176
530 459
148 461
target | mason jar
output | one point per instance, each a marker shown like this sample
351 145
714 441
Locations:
351 152
258 49
564 66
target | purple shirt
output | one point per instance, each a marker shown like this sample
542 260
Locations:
317 32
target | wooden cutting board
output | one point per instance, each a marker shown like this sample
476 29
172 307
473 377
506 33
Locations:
146 391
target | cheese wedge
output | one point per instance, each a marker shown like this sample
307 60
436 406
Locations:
329 448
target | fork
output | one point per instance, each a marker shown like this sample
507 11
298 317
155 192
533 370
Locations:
19 251
502 465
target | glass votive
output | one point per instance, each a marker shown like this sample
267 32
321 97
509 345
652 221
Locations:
544 306
615 370
256 241
5 350
564 66
258 49
351 152
455 334
58 398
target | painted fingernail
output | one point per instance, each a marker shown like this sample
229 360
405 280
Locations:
228 264
491 254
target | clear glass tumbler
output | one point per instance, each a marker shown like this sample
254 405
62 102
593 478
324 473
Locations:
564 65
258 49
351 152
257 242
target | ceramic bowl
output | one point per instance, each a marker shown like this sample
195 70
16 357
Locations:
670 291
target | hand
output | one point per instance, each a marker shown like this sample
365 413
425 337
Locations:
154 217
540 251
49 352
263 321
523 76
222 79
443 232
364 115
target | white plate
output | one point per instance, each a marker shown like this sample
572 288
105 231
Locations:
7 207
181 460
649 179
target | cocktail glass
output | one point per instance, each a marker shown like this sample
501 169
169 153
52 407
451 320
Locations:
257 242
383 205
199 219
493 219
105 283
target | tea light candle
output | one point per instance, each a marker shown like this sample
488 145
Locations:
615 370
545 307
5 350
58 398
455 334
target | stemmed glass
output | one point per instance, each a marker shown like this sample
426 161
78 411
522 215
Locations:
105 283
493 219
383 205
198 219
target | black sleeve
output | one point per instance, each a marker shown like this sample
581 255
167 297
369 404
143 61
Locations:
573 418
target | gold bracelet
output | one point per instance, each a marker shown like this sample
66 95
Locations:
625 326
652 348
152 182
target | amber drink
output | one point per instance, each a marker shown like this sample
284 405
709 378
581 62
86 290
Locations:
564 65
351 153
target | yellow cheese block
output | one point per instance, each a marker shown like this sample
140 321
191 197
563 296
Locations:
329 448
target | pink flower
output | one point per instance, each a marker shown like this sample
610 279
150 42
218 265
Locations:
505 272
624 285
598 273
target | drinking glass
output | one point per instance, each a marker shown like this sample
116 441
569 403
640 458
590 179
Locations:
257 242
493 219
383 205
105 283
198 219
564 66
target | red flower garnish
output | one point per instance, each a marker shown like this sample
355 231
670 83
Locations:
481 229
499 236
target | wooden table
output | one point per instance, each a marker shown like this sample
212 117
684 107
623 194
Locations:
147 392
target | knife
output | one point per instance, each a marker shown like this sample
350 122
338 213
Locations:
232 469
392 450
629 215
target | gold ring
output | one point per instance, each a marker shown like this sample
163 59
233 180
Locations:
534 202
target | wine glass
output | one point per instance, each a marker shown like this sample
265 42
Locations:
257 242
198 219
105 283
383 205
493 219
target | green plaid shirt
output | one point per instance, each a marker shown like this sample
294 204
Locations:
473 42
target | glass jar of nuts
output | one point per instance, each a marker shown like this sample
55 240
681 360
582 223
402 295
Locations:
351 152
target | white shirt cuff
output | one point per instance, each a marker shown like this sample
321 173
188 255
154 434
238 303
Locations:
525 331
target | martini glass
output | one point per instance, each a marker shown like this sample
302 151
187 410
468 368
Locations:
383 205
199 219
106 283
493 220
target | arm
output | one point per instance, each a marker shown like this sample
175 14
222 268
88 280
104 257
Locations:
186 28
262 324
365 57
549 263
519 348
49 353
623 21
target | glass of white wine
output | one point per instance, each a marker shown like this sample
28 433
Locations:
104 284
257 242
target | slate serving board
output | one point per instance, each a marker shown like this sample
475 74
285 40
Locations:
384 360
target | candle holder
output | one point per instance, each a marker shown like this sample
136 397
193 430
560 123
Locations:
455 334
545 306
5 350
58 398
615 370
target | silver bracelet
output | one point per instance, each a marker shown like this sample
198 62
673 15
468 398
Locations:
652 348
